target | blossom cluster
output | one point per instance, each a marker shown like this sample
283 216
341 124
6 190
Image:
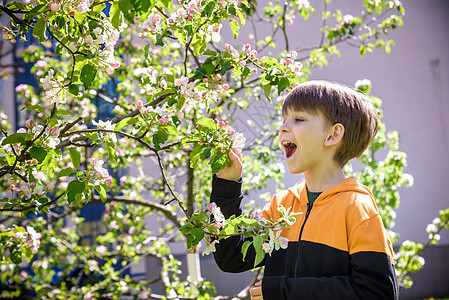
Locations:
26 238
241 59
100 173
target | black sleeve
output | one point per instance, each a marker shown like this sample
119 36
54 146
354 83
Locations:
228 196
372 277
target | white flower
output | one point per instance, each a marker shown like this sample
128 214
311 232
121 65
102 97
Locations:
210 248
53 142
213 33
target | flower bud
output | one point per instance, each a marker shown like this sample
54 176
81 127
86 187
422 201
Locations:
30 123
54 131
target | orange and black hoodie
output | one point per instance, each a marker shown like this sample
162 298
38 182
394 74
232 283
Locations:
338 247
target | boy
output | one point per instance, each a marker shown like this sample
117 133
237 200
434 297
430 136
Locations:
338 247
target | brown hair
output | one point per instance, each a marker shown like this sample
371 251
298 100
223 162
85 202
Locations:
339 104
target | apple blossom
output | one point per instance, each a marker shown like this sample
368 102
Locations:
348 19
97 31
55 7
73 47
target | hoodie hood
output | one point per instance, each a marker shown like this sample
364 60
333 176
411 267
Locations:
348 185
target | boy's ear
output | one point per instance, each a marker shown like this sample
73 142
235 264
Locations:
335 135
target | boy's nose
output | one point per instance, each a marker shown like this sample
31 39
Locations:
284 127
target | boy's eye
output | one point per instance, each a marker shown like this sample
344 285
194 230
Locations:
298 120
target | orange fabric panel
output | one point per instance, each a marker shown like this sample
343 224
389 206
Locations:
344 217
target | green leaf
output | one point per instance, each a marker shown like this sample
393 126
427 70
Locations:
207 122
38 153
168 5
241 17
16 5
225 66
245 247
74 89
199 44
88 73
35 11
74 188
235 28
16 138
10 158
170 129
195 155
159 138
209 8
260 253
142 6
16 255
75 156
283 83
100 189
125 122
267 91
37 108
208 66
66 172
116 15
39 30
186 228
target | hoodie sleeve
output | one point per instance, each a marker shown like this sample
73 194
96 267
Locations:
227 195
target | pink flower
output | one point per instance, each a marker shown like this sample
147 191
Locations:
88 39
97 31
82 8
221 124
115 64
30 123
242 63
54 131
55 7
140 35
211 206
288 61
227 46
109 70
108 181
181 12
267 248
73 47
178 82
294 54
139 104
144 110
283 242
397 3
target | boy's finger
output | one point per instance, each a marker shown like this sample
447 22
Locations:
234 156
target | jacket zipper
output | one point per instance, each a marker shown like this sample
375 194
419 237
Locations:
309 208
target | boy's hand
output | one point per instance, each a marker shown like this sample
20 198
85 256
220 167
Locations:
234 171
256 291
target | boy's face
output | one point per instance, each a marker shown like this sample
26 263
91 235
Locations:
302 137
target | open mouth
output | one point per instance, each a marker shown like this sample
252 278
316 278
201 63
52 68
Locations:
290 148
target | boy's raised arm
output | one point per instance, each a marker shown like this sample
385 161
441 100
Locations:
227 194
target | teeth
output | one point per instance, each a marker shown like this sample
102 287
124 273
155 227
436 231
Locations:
286 143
